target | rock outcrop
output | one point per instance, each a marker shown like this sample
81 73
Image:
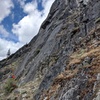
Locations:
62 62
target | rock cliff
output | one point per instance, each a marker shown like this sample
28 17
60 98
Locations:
62 62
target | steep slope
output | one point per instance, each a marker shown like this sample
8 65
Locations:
63 61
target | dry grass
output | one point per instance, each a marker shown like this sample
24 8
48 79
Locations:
77 57
59 81
68 74
65 76
52 91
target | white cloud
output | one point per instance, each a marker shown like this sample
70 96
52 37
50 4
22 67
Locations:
5 8
29 26
26 28
6 45
3 31
30 8
21 2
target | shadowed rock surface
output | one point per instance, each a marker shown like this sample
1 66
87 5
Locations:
62 62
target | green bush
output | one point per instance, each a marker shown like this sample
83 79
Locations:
9 86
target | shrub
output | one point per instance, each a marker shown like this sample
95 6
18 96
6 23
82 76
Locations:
9 86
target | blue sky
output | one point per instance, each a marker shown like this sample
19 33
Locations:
20 21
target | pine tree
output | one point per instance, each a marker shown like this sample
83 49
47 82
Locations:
8 53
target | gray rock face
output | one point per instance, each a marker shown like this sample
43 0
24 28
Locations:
96 83
47 54
69 94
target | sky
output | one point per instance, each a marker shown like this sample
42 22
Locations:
20 21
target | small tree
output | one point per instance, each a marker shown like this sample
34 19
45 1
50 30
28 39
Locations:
10 85
8 53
